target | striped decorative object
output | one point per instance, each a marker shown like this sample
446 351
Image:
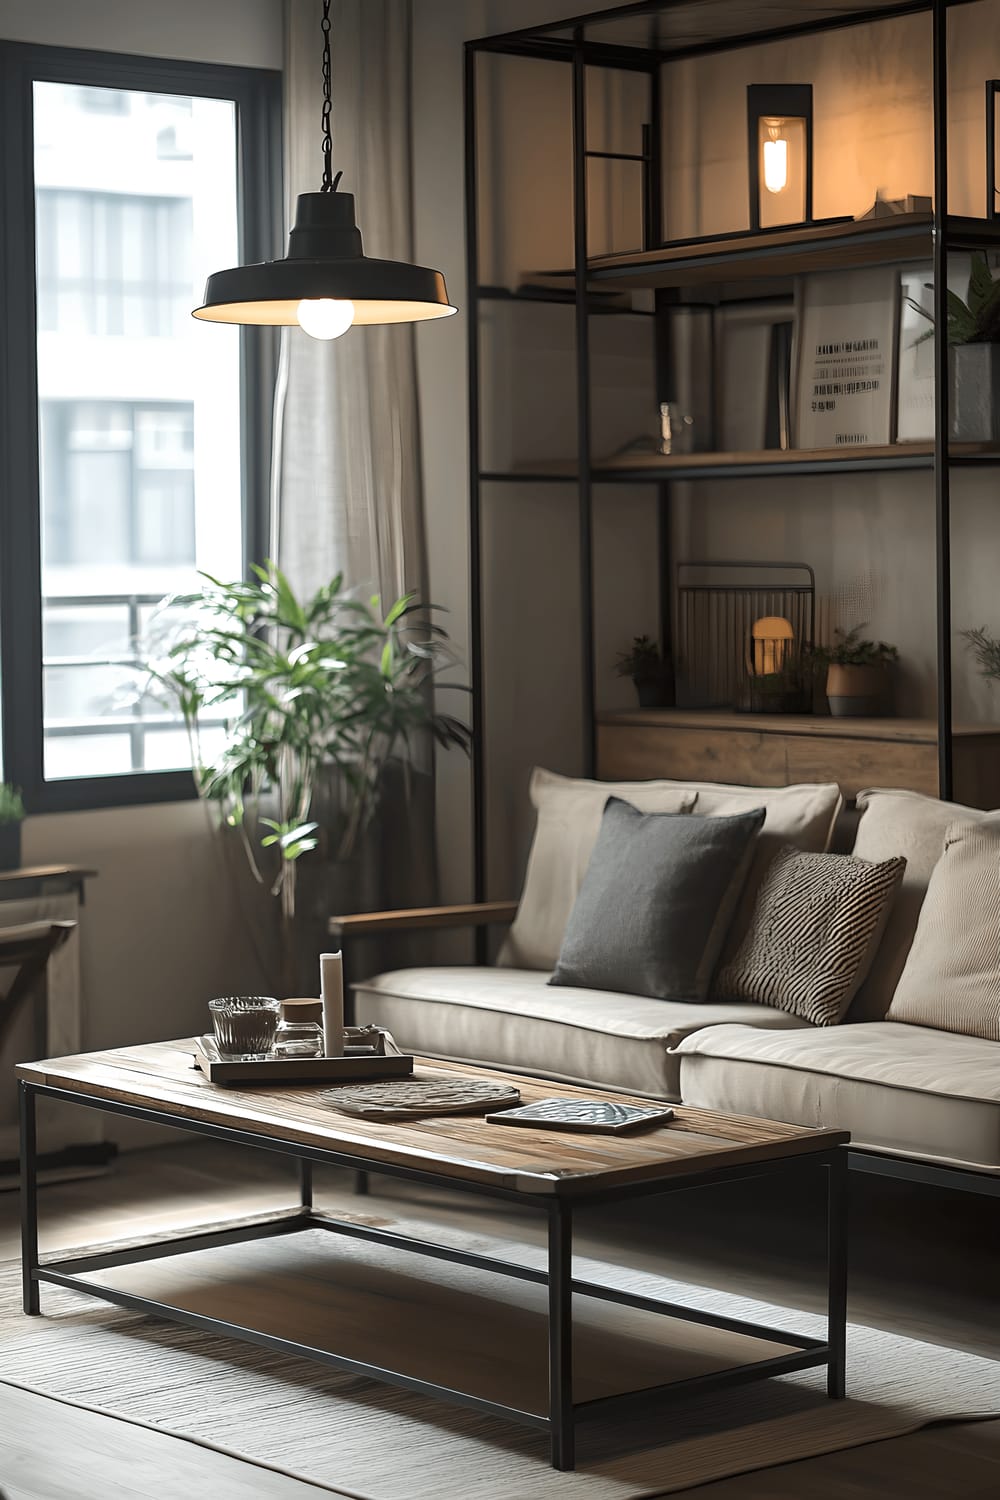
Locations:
951 979
816 926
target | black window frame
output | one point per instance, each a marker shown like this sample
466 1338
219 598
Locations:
257 96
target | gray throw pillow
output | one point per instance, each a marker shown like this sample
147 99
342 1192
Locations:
656 901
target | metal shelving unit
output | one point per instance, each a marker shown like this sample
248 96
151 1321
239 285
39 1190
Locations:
641 38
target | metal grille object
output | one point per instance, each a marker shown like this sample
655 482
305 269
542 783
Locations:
717 605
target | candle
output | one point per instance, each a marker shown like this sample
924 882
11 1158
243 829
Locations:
331 988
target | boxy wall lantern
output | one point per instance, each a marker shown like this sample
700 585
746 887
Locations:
780 146
325 283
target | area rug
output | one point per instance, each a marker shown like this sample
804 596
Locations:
357 1437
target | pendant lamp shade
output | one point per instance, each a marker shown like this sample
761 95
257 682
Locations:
325 260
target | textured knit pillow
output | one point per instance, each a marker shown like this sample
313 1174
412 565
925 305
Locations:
656 902
815 929
951 979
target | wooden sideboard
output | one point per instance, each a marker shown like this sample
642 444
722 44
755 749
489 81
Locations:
779 749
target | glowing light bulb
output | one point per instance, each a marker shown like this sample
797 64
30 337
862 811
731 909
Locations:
325 317
776 164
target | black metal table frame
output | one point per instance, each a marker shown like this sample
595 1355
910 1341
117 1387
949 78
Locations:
564 1413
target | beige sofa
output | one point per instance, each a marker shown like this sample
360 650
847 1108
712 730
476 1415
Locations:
918 1101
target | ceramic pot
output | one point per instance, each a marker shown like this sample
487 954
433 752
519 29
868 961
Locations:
650 691
10 846
857 692
975 392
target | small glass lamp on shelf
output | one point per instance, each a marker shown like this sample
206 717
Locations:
779 130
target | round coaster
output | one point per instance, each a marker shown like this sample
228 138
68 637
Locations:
409 1098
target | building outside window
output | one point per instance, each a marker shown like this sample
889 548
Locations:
139 406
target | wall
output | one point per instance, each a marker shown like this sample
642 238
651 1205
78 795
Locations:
245 33
161 931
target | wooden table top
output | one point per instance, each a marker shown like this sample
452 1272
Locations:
161 1076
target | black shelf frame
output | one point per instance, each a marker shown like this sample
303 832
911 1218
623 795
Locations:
572 43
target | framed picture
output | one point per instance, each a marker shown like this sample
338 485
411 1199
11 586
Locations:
845 346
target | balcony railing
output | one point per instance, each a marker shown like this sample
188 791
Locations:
137 721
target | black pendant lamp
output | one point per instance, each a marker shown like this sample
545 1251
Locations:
325 283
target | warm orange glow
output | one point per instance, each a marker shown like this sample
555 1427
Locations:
781 159
776 164
772 643
285 314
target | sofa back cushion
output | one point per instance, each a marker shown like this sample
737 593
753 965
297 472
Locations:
568 818
951 978
912 827
568 814
656 902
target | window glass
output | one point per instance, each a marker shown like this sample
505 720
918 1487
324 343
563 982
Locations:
139 411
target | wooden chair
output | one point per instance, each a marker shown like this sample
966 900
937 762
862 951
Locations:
27 949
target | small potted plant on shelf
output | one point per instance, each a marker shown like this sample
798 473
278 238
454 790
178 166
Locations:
11 818
973 354
644 664
858 674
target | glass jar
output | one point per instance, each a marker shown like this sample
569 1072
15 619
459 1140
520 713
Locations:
245 1025
300 1030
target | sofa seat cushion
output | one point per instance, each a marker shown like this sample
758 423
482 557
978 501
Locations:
906 1090
514 1019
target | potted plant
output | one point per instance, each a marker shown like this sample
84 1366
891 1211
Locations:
647 669
11 819
858 671
973 354
319 696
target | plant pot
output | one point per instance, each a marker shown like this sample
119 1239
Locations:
975 392
857 692
10 846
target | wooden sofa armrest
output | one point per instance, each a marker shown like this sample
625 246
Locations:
474 914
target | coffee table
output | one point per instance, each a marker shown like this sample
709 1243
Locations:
552 1172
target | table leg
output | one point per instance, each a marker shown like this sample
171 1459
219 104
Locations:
561 1335
836 1219
29 1201
305 1183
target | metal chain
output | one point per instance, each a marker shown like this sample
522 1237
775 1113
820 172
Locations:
328 183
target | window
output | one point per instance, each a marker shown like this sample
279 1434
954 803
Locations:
118 484
137 438
113 263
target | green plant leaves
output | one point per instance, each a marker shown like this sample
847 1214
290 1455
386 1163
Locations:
319 691
977 319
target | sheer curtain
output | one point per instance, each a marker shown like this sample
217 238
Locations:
346 491
347 460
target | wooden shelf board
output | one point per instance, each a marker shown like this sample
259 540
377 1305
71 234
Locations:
641 467
910 731
791 252
47 872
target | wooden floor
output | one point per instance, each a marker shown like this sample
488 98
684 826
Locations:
924 1264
